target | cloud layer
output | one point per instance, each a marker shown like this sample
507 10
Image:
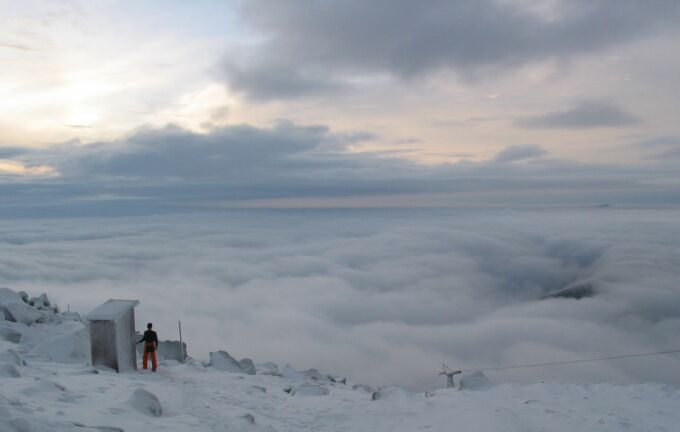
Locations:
378 295
161 170
306 43
586 115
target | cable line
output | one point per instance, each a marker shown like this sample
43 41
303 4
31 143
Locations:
420 382
566 362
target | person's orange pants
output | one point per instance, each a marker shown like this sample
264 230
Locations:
153 359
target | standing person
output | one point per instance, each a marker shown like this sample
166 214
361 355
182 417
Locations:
150 340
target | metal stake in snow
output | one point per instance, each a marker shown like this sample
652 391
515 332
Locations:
181 344
449 376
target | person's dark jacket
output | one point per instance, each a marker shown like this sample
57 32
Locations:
150 340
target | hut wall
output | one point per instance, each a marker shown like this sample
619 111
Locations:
103 338
125 334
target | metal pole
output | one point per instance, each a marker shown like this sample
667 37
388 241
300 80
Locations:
181 344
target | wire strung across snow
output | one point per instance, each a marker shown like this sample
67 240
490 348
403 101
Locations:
553 363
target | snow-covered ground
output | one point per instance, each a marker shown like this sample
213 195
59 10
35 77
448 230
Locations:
46 384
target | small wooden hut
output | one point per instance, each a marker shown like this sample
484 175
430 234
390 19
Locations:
112 335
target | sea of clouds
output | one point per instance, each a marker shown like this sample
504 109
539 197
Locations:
383 296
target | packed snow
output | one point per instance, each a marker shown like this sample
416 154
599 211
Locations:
47 384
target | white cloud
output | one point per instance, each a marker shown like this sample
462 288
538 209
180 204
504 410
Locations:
378 295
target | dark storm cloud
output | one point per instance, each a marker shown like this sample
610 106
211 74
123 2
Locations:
591 114
336 39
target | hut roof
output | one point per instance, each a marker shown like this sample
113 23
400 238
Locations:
111 310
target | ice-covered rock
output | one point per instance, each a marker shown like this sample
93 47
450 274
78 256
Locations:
248 366
72 347
291 374
221 360
8 296
475 381
146 403
40 302
24 296
314 374
363 387
12 357
22 313
9 371
310 390
9 335
392 393
268 368
71 316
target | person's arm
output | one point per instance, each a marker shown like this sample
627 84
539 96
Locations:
142 339
155 338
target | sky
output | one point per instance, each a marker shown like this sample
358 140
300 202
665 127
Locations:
125 107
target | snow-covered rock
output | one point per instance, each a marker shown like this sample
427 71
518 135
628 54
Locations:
40 302
24 296
8 296
146 403
9 335
23 313
12 357
475 381
363 387
72 347
248 366
314 374
291 374
310 390
392 393
221 360
268 368
8 370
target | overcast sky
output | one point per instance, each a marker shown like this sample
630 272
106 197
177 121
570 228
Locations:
338 103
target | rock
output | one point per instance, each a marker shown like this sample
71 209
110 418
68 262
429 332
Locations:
10 335
268 368
9 371
249 418
23 313
221 360
291 374
41 302
71 316
363 387
12 357
146 403
72 347
314 374
23 295
475 381
8 296
248 366
310 390
392 393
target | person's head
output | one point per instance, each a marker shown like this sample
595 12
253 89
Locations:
149 326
